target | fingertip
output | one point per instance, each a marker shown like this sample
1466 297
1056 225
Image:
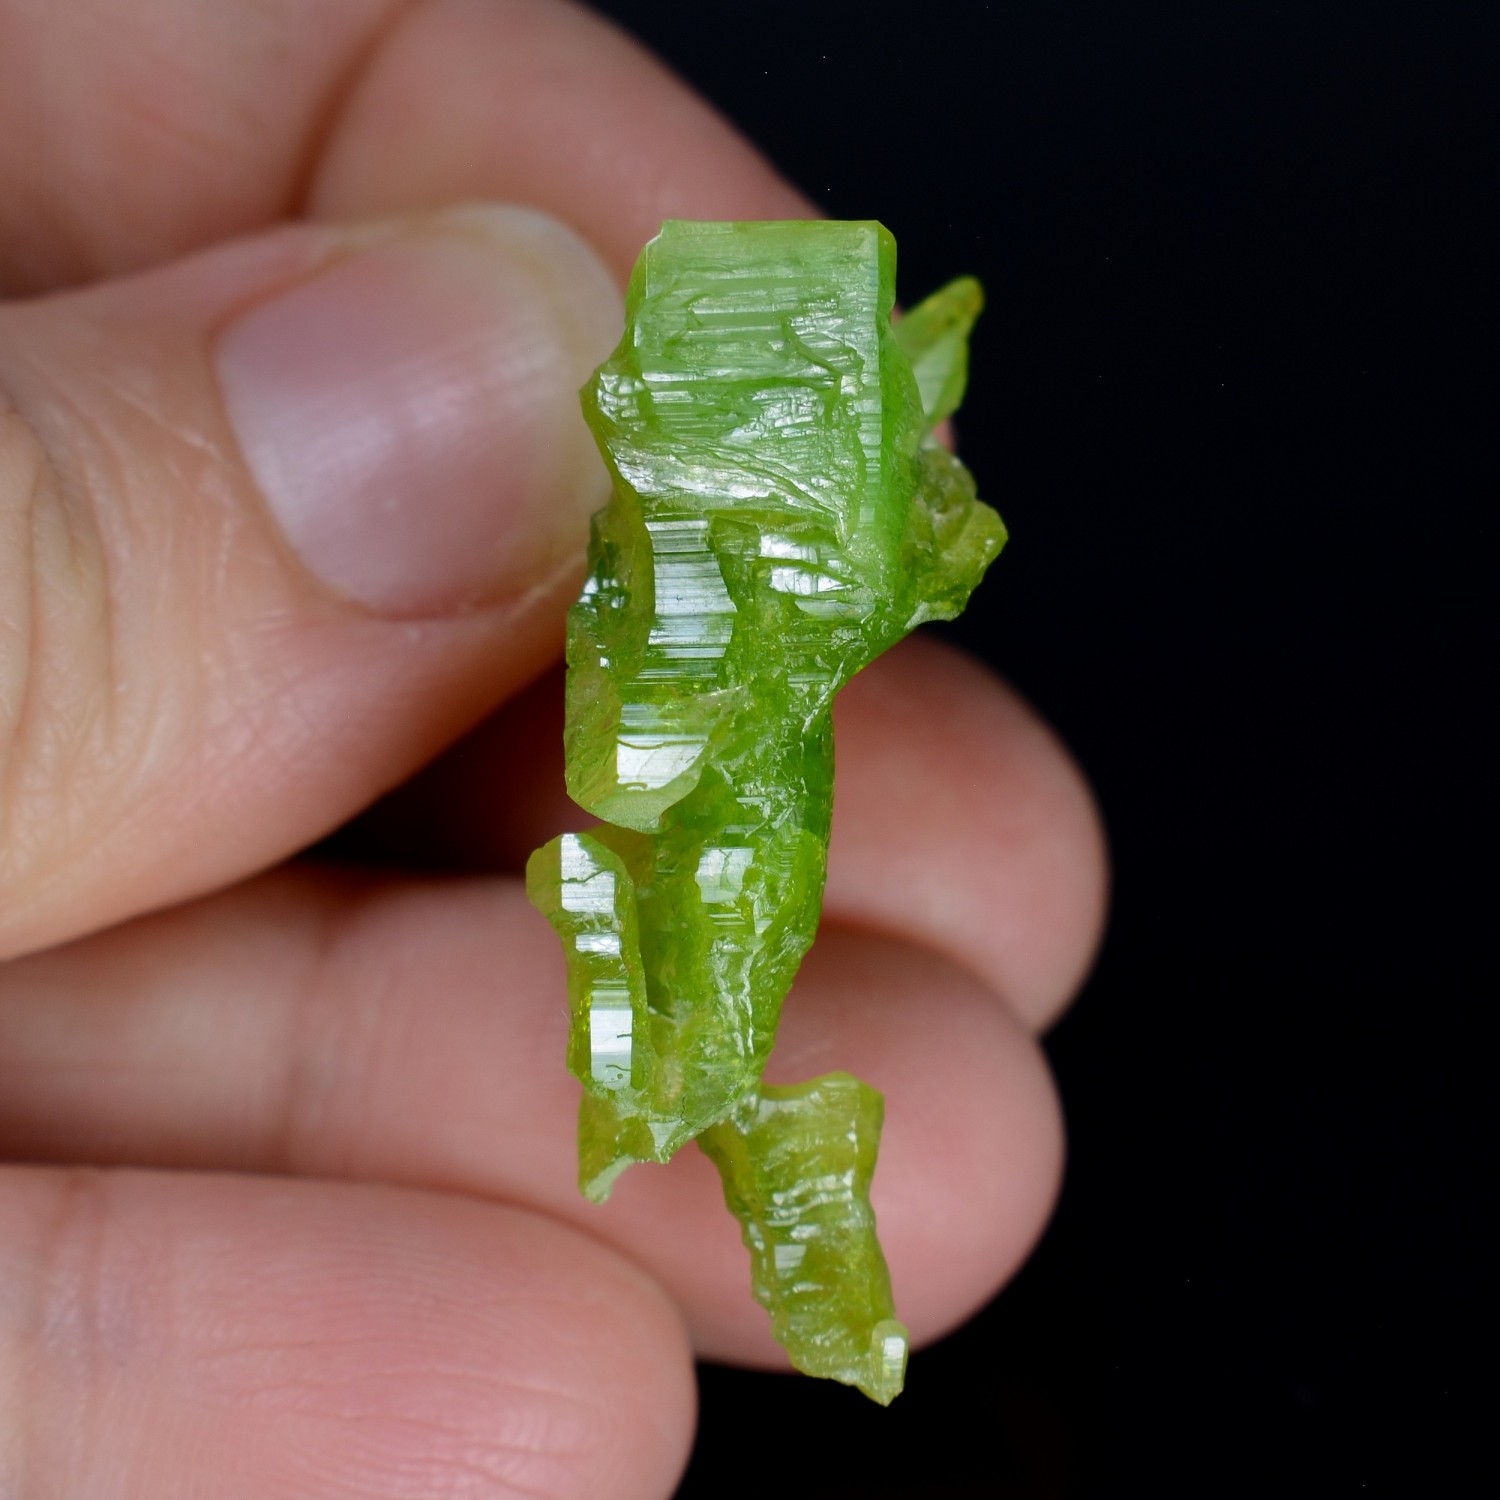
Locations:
244 1337
973 1164
294 514
972 1150
545 104
970 1160
962 822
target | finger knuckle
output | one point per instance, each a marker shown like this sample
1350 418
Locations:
22 471
54 646
63 1307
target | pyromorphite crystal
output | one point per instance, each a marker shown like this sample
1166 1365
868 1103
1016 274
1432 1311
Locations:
781 515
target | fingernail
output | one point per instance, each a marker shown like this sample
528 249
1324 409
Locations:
411 412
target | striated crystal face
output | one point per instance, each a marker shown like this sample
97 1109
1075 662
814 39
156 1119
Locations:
780 516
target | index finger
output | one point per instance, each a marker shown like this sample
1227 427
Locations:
130 135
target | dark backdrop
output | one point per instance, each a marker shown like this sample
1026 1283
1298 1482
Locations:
1234 400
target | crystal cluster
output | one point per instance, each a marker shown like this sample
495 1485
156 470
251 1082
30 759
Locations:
781 515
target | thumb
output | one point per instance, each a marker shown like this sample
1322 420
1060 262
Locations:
276 523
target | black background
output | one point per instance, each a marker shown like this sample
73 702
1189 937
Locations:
1235 399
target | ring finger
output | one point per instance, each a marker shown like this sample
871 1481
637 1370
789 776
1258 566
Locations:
412 1033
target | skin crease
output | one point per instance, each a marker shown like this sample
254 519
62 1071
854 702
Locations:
449 1317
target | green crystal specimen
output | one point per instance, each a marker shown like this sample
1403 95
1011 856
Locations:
781 515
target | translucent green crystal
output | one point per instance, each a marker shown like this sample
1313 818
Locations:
781 515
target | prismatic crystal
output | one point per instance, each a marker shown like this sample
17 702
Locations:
781 515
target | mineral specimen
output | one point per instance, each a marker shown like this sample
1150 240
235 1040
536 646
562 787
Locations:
781 515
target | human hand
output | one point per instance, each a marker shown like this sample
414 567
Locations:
285 510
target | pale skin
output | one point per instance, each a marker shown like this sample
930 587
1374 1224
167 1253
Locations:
339 1248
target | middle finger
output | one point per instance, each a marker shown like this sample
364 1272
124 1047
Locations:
960 824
